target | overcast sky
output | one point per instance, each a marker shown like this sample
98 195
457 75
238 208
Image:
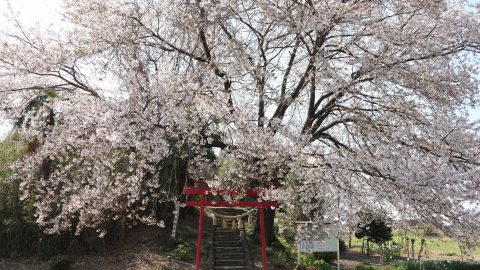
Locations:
46 13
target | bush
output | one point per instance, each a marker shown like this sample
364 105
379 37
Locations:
365 267
19 233
168 242
181 252
328 257
278 258
430 231
18 237
18 230
308 262
392 251
60 263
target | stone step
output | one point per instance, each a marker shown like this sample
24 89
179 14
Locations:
228 249
222 229
230 267
226 235
227 244
232 256
227 238
226 232
229 262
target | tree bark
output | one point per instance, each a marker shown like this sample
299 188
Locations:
407 245
269 227
422 244
182 180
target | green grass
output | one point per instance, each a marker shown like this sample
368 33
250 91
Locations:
428 265
439 247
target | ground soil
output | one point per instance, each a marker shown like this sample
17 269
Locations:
139 251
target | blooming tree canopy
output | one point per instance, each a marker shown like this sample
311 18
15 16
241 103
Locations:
332 105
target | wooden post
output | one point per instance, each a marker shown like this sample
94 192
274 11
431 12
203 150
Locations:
199 239
175 219
262 235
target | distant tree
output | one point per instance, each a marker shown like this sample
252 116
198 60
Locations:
374 228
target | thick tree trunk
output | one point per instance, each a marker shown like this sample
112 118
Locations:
181 176
269 227
182 180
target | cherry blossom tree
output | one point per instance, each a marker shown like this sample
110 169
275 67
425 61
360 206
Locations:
328 105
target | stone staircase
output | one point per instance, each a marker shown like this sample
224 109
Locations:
230 250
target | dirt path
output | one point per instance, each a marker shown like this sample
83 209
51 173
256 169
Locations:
350 259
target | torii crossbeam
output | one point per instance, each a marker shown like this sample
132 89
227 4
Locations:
203 192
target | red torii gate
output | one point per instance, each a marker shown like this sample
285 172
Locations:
203 192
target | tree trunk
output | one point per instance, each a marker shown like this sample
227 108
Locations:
363 245
407 247
413 248
422 244
269 227
180 175
368 247
349 239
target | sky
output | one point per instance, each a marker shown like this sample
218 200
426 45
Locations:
31 12
46 13
43 13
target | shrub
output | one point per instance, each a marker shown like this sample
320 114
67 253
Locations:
181 252
279 258
168 242
18 230
392 251
308 262
60 263
430 231
328 257
365 267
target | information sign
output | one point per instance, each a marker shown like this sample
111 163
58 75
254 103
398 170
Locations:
312 238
